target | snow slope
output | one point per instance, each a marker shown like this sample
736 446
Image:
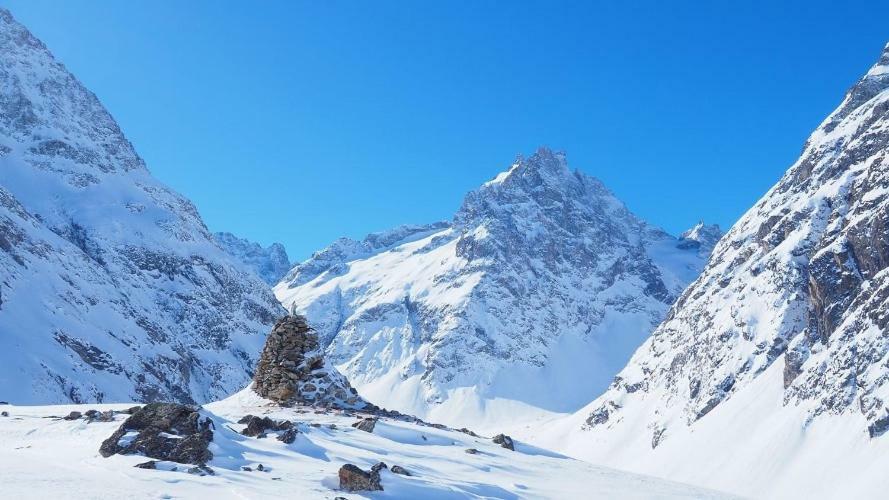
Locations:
524 305
111 287
270 263
42 457
768 378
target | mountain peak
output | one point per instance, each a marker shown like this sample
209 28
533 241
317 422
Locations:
701 235
543 164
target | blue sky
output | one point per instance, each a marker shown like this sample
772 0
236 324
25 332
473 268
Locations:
301 122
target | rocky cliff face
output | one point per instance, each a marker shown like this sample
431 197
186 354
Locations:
533 296
791 307
111 287
292 369
270 263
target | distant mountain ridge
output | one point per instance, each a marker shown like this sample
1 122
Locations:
270 263
530 299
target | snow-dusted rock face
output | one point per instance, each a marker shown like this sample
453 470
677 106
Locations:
793 307
530 300
702 236
270 263
111 287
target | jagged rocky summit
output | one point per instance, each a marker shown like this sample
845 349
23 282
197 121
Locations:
782 343
270 263
292 370
111 287
527 302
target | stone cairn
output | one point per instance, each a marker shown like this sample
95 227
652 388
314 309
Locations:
292 370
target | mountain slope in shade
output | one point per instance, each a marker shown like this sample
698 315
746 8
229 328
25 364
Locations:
526 303
270 263
111 287
769 376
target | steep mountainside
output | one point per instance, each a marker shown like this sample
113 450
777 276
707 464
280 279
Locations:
528 302
111 287
775 360
270 263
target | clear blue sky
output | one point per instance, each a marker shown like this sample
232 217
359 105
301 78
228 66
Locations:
301 122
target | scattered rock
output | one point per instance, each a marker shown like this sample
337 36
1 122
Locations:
151 464
202 470
260 468
472 451
397 469
464 430
247 469
4 413
164 431
288 436
504 441
97 416
379 466
74 415
258 426
292 370
354 479
332 427
366 424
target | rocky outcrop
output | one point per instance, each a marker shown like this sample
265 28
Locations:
259 426
504 441
164 431
366 424
292 370
352 478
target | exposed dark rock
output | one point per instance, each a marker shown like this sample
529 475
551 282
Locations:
366 424
397 469
202 470
151 464
99 416
471 451
504 441
292 369
288 436
165 431
259 426
74 415
379 466
247 469
353 478
4 414
464 430
260 468
879 426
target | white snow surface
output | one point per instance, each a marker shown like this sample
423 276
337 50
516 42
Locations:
111 287
43 457
768 378
523 306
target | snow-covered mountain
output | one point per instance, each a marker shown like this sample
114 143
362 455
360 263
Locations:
702 236
270 263
527 302
769 376
111 287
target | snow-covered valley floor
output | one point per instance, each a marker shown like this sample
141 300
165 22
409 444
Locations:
46 457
